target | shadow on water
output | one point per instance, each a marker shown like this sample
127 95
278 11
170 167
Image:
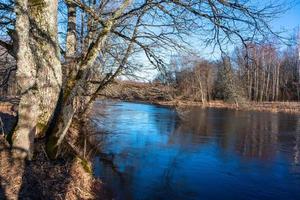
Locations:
213 154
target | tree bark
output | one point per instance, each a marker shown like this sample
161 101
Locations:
71 40
72 94
70 67
25 130
44 42
39 74
75 89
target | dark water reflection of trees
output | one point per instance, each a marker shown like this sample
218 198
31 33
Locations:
211 151
251 134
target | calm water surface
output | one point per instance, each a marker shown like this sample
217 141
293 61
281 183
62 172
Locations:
213 154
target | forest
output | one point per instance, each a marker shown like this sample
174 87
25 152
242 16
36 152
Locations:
260 73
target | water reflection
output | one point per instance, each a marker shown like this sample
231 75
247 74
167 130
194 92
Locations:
213 154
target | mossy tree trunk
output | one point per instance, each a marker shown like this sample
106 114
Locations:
73 93
39 74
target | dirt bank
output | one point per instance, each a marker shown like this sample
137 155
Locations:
66 178
45 179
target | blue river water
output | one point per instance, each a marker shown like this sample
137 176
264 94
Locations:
212 154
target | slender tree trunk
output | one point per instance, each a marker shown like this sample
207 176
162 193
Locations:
201 92
277 81
70 68
255 84
263 86
249 84
71 42
90 26
251 95
208 85
267 86
82 25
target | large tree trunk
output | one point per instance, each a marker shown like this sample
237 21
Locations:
39 73
25 130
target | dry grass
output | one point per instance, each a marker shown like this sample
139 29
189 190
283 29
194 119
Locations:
11 171
6 107
159 94
45 179
41 178
286 107
130 91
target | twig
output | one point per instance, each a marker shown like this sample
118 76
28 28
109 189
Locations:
1 127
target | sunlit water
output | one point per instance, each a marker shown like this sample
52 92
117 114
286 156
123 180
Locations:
213 154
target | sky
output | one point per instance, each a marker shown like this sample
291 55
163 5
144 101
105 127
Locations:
288 22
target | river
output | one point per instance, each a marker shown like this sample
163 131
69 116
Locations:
212 154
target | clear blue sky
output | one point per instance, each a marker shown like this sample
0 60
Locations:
287 23
289 20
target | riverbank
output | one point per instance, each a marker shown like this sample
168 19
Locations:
69 177
166 96
42 178
275 107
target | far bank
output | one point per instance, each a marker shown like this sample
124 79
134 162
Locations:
166 96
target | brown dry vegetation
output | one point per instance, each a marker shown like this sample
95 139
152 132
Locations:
135 91
286 107
69 177
45 179
165 95
6 107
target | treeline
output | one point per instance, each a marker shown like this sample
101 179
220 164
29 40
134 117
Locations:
257 73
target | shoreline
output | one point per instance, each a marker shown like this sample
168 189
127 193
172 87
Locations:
164 96
69 177
273 107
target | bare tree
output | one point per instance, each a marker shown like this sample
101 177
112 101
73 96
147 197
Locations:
269 74
109 35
